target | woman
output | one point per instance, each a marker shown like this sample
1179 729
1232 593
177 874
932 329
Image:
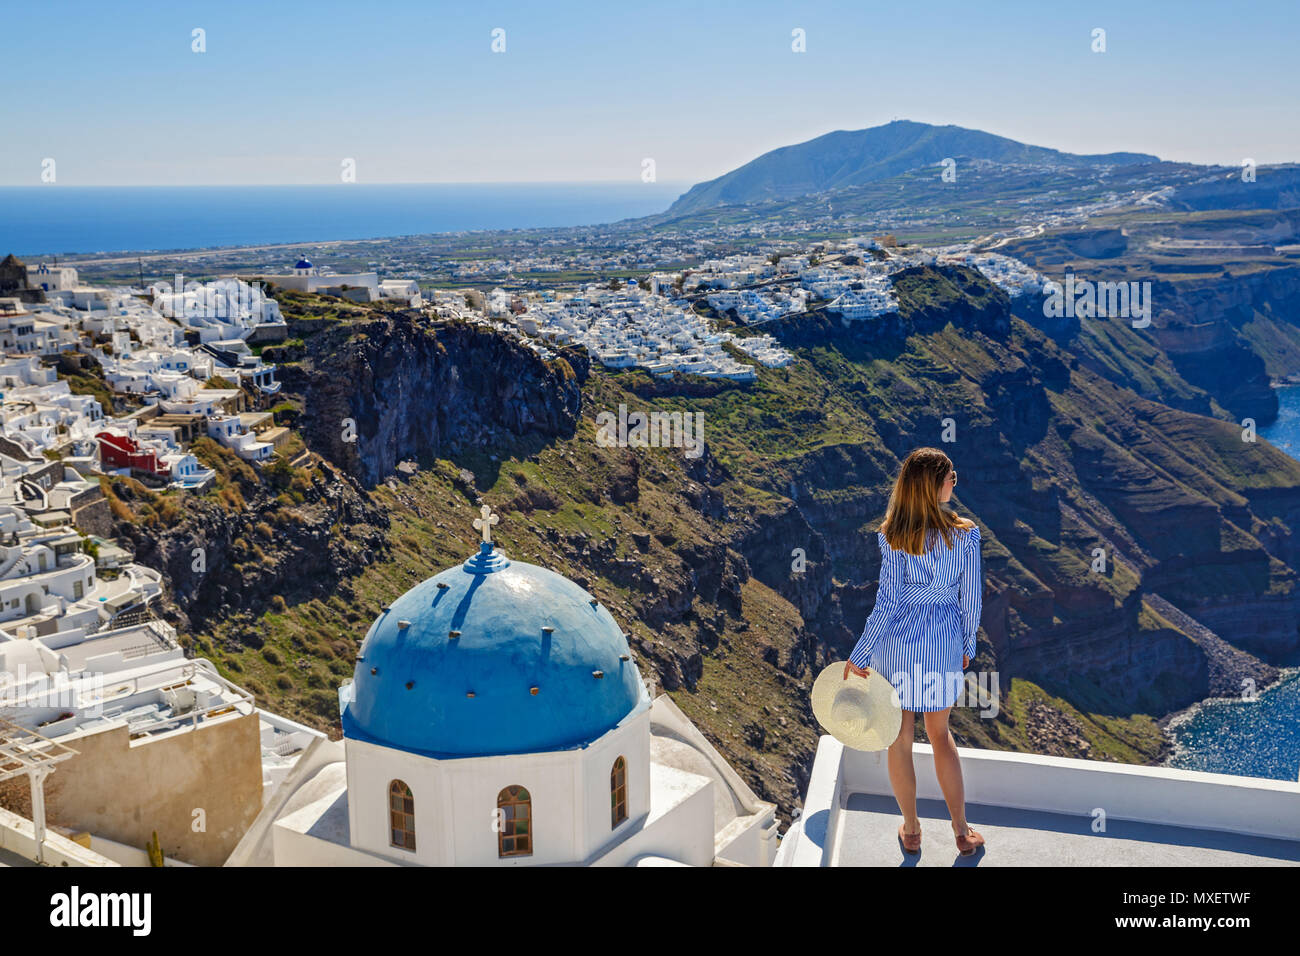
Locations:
924 622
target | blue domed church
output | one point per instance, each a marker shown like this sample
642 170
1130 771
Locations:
496 717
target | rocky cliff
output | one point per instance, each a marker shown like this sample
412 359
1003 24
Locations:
1063 466
221 560
1210 329
1138 554
392 389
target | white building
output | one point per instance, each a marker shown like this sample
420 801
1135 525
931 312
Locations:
48 583
226 308
186 471
402 290
306 277
229 431
27 332
52 278
1009 274
152 736
497 303
451 757
858 304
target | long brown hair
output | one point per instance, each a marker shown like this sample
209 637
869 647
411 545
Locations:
914 503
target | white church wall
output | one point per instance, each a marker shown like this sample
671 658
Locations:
552 781
632 742
749 840
456 799
456 802
679 826
310 283
371 770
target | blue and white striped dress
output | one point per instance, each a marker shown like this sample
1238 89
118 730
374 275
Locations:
926 615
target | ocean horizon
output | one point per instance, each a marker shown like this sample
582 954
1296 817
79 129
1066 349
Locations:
61 220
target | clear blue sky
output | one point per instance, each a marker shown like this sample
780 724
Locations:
411 90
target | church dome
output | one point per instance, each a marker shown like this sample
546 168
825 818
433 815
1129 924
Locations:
303 264
491 657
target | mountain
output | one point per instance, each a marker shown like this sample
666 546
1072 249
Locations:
854 157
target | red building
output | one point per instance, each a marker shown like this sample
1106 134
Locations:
121 451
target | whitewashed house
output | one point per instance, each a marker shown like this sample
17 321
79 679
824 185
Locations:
229 431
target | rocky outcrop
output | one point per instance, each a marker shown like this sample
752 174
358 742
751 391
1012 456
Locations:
219 561
1229 668
787 554
14 281
397 388
1197 326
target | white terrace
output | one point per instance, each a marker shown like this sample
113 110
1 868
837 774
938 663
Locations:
1044 811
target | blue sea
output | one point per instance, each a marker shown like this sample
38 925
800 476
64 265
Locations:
55 219
1259 738
1250 738
1285 432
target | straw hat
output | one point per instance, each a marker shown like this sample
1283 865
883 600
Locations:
864 713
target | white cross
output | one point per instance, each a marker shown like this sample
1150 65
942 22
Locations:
486 522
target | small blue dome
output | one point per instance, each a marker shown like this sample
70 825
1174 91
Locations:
303 264
495 629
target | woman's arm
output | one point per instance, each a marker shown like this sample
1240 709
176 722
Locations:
891 579
970 584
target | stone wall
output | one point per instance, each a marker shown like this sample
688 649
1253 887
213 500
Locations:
125 792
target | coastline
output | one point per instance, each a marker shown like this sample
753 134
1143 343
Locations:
1172 721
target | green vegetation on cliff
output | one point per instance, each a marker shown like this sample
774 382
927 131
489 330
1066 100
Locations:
1091 497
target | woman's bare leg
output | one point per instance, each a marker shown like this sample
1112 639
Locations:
902 775
947 767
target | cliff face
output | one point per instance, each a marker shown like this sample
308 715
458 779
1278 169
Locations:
1199 325
219 561
411 392
1059 464
1066 465
1138 556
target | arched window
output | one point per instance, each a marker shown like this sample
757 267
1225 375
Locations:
515 837
618 793
401 815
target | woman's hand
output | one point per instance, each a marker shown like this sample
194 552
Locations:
860 671
965 662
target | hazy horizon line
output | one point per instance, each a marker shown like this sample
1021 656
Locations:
461 182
